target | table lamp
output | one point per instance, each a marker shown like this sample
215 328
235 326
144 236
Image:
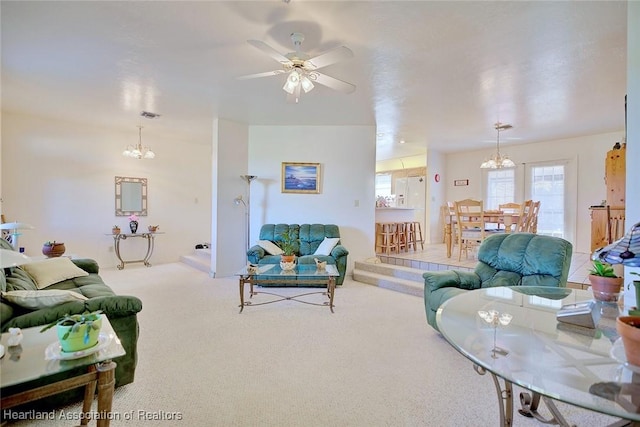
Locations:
14 227
625 251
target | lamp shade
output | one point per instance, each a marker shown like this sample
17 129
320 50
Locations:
625 251
12 258
16 226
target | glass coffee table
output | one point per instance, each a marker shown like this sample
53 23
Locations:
301 275
39 356
513 334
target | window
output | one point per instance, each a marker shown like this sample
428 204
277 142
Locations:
383 184
500 187
547 185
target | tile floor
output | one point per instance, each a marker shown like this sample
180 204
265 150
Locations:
434 257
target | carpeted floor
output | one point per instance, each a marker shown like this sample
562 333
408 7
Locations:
375 362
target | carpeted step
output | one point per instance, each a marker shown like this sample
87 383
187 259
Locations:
197 261
397 271
397 284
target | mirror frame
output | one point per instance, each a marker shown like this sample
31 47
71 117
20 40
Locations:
120 210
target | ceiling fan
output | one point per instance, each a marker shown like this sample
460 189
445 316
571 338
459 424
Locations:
302 69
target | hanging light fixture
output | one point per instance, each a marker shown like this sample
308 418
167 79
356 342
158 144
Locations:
299 78
498 161
138 151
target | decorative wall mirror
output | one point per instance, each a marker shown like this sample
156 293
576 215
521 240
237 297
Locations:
131 196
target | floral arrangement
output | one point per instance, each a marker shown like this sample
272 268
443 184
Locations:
133 217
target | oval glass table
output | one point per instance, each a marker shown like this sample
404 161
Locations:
513 334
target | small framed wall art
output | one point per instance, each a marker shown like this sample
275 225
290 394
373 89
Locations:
460 182
300 177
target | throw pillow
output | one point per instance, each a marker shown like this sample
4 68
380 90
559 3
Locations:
270 247
46 273
327 246
41 299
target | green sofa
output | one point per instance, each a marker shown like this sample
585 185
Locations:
120 310
307 239
516 259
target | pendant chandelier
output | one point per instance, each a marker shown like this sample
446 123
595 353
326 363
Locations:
139 151
498 161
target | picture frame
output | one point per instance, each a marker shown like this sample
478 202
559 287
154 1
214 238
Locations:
301 178
460 182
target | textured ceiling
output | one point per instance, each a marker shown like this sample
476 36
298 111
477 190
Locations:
435 74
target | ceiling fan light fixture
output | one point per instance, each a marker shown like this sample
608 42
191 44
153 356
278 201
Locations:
306 84
301 69
292 82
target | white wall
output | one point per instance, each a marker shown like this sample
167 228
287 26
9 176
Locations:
347 160
588 152
228 250
59 177
436 192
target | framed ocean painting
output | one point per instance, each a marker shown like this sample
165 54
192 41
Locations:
300 177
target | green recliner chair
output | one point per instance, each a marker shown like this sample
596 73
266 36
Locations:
517 259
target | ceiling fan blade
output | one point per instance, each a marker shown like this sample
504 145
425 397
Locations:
270 51
331 82
329 57
266 74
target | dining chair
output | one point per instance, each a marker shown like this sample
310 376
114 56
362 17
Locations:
470 224
523 220
532 226
510 208
615 226
451 214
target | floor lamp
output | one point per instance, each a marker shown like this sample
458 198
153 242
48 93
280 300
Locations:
247 205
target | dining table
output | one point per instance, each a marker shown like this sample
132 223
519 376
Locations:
490 217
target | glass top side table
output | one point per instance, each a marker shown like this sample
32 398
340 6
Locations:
554 360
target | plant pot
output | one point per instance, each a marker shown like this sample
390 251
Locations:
636 284
287 258
115 231
606 289
628 328
53 250
77 340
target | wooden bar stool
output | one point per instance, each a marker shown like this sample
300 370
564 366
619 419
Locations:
401 236
410 233
417 229
386 237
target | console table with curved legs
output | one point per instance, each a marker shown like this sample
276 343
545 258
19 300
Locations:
150 238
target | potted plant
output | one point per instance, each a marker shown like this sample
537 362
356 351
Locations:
53 249
77 331
605 284
628 328
288 246
115 230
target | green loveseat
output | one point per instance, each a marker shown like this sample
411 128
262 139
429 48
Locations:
120 310
307 239
516 259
